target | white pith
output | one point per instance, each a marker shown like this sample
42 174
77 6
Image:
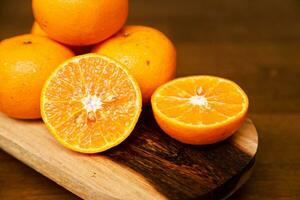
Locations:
200 101
91 103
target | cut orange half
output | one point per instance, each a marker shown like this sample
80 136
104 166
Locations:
200 109
91 103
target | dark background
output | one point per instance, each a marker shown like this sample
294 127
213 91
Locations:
256 43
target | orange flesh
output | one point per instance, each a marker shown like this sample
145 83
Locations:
91 103
200 100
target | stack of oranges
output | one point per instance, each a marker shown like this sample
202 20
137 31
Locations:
92 101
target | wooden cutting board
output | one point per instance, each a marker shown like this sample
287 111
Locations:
148 165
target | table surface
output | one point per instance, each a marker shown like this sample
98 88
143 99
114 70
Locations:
254 43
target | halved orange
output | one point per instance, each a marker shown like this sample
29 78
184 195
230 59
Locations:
200 109
91 103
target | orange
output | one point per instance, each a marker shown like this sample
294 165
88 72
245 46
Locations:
37 30
80 22
78 50
26 61
200 109
91 103
148 54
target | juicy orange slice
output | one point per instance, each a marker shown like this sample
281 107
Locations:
200 109
91 103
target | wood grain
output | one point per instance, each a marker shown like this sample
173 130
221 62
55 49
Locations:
148 165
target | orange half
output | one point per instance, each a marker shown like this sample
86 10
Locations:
200 109
91 103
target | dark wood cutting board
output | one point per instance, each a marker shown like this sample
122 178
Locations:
148 165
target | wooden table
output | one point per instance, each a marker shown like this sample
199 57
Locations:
255 43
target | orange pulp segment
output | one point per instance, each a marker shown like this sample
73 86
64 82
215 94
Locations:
91 103
200 109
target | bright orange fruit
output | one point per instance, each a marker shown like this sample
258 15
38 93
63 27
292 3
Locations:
37 30
80 22
91 103
148 54
200 109
26 62
78 50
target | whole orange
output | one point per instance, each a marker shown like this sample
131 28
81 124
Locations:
149 55
80 22
26 61
37 30
78 50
